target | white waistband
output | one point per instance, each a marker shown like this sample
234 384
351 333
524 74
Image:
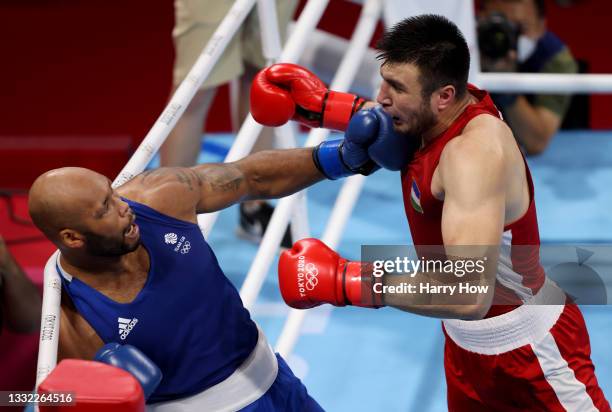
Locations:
247 384
526 324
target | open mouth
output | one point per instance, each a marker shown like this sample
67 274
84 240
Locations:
132 231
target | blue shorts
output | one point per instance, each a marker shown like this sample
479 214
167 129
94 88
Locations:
287 393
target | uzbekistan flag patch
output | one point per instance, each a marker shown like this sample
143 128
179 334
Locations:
415 197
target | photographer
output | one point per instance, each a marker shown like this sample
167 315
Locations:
20 302
513 37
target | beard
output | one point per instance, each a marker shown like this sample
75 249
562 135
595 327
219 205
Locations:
108 246
423 120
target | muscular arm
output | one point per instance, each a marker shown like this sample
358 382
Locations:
180 192
77 339
533 126
472 173
263 175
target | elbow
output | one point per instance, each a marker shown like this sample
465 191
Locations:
536 148
537 144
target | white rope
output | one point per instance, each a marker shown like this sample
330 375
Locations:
245 139
49 322
343 208
185 92
545 83
47 352
280 218
270 35
347 198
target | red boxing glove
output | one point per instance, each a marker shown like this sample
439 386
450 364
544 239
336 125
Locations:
311 274
93 387
287 91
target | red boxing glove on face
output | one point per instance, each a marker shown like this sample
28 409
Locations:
311 274
287 91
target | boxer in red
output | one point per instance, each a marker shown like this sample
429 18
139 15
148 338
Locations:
509 349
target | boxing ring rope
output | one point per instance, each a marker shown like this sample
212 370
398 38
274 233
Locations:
545 83
348 195
280 218
345 202
245 139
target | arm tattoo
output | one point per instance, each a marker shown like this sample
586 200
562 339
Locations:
184 176
144 175
223 179
184 179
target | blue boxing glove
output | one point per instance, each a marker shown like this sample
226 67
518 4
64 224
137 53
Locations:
345 157
370 142
132 360
390 150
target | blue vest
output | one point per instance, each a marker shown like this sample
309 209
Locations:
546 48
188 318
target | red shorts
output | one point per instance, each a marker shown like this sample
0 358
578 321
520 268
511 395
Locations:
535 358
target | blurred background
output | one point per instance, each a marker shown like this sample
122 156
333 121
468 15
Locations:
83 81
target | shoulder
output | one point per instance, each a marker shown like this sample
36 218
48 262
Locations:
170 190
482 143
561 62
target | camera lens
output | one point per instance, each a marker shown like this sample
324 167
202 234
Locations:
497 36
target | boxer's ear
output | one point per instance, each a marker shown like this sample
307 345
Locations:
71 238
444 97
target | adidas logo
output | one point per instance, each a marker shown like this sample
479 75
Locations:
126 326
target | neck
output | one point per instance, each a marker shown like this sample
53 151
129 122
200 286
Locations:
447 117
99 269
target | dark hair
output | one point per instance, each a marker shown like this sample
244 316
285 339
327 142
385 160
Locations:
432 43
540 6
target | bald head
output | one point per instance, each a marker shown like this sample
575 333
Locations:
60 198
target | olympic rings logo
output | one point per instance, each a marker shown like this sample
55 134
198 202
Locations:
311 276
186 247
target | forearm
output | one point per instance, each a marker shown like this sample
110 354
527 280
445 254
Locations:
310 273
427 295
457 283
278 173
262 175
21 302
529 126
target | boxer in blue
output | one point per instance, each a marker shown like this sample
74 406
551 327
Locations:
137 273
144 291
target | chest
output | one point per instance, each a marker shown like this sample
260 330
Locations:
127 287
423 188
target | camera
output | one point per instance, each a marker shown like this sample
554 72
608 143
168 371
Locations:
497 35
